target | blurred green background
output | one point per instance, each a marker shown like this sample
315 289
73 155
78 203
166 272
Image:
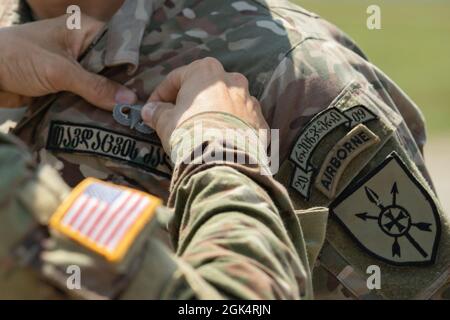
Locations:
412 47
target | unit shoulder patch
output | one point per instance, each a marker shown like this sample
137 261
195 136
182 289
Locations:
391 215
104 218
337 160
320 126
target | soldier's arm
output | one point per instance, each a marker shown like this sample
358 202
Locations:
27 191
230 235
350 140
230 219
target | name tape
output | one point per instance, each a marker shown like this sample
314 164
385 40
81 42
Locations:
310 137
80 138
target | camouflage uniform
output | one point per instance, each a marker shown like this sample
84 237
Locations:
345 127
218 208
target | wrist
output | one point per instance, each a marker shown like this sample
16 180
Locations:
221 128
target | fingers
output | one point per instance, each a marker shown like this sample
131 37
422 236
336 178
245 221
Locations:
238 83
167 90
70 76
152 113
86 35
160 117
202 86
238 86
239 90
11 100
235 79
259 112
207 70
76 41
94 88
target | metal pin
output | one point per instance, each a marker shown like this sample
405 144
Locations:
130 116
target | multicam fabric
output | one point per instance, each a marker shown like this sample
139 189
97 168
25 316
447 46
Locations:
217 207
298 65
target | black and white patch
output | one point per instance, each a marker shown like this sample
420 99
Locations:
391 215
80 138
309 138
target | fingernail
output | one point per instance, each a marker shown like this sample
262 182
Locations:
125 96
147 111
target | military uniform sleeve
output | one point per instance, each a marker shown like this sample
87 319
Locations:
232 240
44 255
37 261
230 222
27 191
351 140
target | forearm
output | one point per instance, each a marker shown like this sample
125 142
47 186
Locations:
231 230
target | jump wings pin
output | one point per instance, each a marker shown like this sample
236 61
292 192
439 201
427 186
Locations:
391 215
130 116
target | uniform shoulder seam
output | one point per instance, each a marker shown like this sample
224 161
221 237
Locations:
286 54
297 45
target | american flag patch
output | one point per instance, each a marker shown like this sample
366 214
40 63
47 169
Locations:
104 217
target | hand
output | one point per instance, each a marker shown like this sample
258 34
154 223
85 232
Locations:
202 86
40 58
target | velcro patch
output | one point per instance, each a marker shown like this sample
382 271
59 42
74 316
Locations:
315 131
104 217
86 139
391 215
310 137
337 160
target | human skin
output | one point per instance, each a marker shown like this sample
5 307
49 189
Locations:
200 87
36 59
181 95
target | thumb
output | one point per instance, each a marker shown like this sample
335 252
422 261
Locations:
153 114
97 89
158 116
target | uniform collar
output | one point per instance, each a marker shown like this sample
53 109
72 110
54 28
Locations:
123 36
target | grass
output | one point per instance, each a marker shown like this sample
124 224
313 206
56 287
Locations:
413 47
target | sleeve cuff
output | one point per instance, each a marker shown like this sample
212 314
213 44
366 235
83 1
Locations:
229 136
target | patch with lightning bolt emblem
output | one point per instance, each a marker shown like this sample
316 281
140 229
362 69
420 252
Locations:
391 215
